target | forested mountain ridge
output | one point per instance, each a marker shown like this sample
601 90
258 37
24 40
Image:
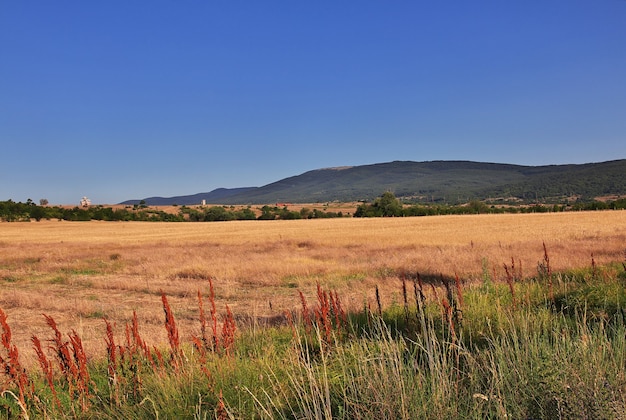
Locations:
433 181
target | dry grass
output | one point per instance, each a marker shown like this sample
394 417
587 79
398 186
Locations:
80 272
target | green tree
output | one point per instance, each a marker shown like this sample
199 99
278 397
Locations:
477 207
286 214
306 213
388 205
217 214
245 214
268 213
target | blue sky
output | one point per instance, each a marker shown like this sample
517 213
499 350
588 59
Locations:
122 100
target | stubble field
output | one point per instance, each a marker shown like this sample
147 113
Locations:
81 272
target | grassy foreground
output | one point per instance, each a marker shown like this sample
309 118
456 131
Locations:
550 345
516 316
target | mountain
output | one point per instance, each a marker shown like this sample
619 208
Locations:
215 196
442 181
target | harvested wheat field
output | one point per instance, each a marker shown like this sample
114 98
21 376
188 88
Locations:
82 272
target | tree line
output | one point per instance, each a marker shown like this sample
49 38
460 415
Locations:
387 205
11 211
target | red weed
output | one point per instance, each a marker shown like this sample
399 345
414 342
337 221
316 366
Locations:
509 280
228 331
172 331
11 362
46 368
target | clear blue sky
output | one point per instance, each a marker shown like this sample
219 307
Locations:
122 100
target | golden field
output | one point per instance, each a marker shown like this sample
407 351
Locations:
80 272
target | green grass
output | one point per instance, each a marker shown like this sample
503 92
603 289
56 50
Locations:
81 271
58 280
11 279
529 356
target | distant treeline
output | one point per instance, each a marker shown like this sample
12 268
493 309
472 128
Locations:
385 206
388 205
11 211
224 213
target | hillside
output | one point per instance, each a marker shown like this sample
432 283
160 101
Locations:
440 181
215 196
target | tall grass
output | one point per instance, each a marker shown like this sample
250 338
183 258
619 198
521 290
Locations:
549 346
16 375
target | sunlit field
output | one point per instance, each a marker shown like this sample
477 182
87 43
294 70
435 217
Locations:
81 272
485 316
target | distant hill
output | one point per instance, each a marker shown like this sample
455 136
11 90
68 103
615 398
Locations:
215 196
440 181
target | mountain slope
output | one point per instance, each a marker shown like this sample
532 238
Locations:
369 181
215 196
586 180
444 181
